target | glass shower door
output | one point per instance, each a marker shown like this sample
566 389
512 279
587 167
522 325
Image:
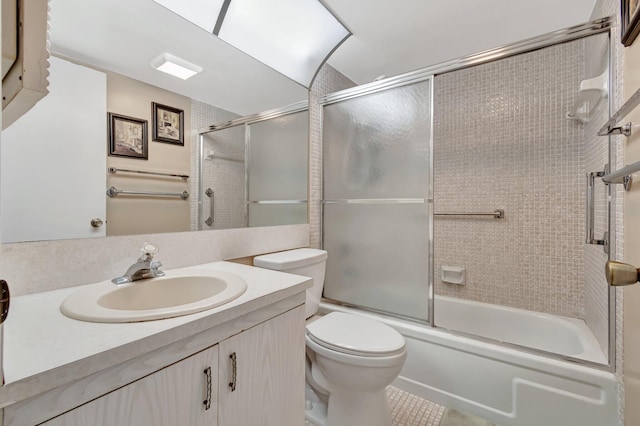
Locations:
377 198
277 170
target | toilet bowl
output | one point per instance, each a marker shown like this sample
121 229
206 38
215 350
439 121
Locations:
351 358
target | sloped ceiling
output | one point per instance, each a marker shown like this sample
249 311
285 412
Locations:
389 37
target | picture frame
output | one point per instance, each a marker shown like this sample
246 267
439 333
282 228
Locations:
630 12
168 124
127 136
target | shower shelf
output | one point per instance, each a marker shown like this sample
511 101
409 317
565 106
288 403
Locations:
630 105
592 92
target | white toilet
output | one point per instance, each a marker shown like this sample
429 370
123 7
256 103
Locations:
352 358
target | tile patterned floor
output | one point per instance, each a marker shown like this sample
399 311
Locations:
411 410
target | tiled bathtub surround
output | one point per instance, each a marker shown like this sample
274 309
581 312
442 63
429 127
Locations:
501 140
596 154
612 8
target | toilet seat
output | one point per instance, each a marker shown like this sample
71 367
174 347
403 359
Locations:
355 335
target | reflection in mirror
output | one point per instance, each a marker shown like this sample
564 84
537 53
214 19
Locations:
55 159
253 170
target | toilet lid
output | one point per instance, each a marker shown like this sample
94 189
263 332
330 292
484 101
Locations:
290 259
355 334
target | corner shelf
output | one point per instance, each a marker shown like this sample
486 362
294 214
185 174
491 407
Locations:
592 92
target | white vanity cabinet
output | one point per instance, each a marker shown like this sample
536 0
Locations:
172 396
262 374
266 370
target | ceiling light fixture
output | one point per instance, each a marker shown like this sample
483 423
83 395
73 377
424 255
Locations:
294 37
175 66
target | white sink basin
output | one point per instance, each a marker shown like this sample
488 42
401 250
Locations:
170 296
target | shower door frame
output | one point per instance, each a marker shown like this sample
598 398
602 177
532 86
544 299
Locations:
376 87
599 26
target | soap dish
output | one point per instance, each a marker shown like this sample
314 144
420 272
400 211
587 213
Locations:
452 274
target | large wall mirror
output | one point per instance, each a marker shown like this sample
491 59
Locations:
55 160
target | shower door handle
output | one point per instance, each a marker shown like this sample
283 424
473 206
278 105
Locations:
590 222
209 193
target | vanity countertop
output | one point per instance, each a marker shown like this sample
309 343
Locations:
44 349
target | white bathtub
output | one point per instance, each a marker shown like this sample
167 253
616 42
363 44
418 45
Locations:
500 384
551 333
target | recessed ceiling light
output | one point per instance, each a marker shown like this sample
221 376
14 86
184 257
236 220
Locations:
175 66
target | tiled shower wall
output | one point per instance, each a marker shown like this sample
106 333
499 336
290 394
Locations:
596 152
327 81
501 141
603 8
202 116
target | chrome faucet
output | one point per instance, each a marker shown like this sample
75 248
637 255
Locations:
145 267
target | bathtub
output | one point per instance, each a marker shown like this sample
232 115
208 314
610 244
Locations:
502 384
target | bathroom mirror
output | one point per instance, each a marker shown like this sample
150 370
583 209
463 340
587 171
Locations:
102 54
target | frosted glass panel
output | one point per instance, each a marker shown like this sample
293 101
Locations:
377 146
278 158
277 214
378 256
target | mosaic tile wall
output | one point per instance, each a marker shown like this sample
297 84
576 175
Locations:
596 153
327 81
502 142
202 116
601 9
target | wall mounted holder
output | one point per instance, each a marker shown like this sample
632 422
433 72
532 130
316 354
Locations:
452 274
610 128
623 176
592 92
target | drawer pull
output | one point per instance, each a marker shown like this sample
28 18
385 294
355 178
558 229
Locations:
207 401
234 371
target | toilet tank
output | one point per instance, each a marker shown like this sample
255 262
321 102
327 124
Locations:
306 262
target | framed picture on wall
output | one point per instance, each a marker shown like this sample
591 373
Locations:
127 136
630 21
168 124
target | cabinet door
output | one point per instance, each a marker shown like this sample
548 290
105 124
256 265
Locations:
68 123
269 374
172 396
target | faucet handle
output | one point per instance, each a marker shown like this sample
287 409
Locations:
148 251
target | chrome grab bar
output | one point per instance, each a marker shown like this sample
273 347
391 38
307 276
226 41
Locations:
622 176
115 170
209 193
497 214
590 222
629 105
113 192
277 202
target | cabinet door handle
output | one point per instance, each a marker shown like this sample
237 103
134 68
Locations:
207 401
234 371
